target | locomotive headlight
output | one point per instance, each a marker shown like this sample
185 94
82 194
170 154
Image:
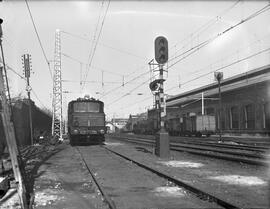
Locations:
102 131
75 131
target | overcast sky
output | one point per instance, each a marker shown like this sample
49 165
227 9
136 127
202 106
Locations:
126 45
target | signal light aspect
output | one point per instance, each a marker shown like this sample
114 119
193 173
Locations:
161 50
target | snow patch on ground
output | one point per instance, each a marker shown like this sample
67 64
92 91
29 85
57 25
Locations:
10 200
46 197
231 142
113 143
181 164
169 191
239 180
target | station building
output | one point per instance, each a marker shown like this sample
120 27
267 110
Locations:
116 125
245 104
133 120
119 122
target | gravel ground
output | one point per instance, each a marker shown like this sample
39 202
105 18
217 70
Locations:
132 187
240 184
57 178
64 182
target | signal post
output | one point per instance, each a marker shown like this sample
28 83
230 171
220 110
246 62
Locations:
27 70
162 148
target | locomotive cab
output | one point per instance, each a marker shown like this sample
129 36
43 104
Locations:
86 121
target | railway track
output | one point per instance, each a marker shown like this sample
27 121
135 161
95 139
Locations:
231 143
106 197
198 193
262 144
238 153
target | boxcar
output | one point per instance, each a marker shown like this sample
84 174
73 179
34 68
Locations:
86 121
198 125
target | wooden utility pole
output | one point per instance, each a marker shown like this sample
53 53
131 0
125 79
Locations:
9 131
27 72
219 77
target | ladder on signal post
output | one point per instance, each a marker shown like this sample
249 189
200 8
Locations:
9 131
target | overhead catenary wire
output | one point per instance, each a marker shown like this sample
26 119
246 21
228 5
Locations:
201 45
194 49
22 77
208 73
202 28
105 45
76 81
94 67
209 22
95 46
223 67
231 54
205 43
95 33
206 25
114 89
39 40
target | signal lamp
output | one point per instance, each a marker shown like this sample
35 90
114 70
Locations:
161 50
154 84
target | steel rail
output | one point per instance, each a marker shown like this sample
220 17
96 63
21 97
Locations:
218 154
205 147
101 189
240 147
201 194
209 144
247 143
212 140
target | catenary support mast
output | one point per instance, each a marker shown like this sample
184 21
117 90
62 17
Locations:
57 126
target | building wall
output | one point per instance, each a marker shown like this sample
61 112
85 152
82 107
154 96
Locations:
245 110
41 123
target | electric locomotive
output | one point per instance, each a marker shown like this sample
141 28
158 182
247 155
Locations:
86 121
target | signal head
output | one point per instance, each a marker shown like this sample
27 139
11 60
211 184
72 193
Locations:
161 50
1 32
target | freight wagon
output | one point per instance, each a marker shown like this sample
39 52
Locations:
198 125
188 125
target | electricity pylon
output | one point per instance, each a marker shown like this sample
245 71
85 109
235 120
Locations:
57 125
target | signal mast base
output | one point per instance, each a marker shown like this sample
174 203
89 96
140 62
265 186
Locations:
162 145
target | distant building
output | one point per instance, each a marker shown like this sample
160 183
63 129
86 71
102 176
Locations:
245 104
110 127
119 123
134 119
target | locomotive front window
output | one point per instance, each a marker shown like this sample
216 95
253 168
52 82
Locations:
86 107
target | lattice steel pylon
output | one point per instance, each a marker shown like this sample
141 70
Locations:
57 123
